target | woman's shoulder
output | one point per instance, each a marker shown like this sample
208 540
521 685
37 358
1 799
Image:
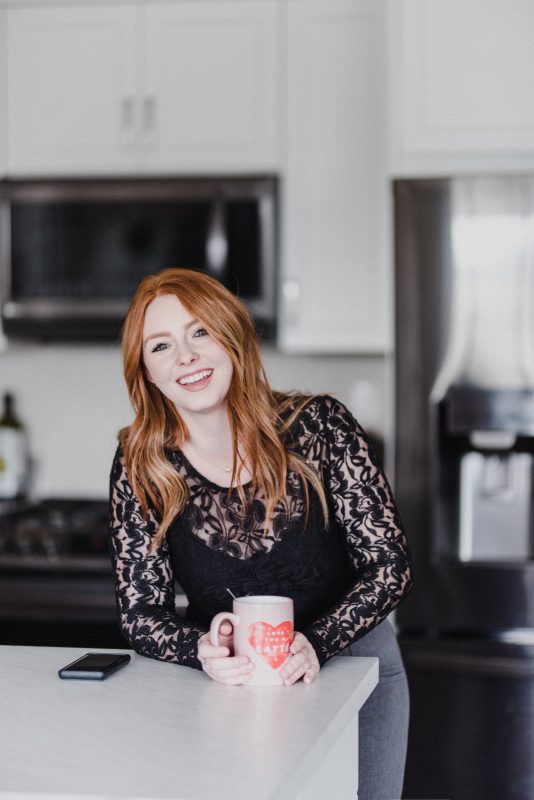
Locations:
118 456
118 466
312 412
297 402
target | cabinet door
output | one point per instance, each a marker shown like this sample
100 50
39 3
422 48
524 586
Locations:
3 97
463 82
210 86
71 89
335 286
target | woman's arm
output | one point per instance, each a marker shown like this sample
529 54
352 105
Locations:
362 504
144 582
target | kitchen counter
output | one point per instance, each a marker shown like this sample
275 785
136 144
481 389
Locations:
156 730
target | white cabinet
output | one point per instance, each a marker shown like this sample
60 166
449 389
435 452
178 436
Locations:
335 286
3 100
462 77
210 86
71 89
187 86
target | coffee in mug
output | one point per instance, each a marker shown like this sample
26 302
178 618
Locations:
263 631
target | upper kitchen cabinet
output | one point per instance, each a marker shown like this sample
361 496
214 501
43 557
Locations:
210 90
182 87
71 92
3 97
462 82
335 286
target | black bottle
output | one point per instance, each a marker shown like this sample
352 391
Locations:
13 453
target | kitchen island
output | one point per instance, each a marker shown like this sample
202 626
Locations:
157 730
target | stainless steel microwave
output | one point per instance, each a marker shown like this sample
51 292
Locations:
72 251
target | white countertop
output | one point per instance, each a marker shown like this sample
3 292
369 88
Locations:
156 730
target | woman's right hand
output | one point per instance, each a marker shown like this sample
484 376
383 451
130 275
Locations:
217 661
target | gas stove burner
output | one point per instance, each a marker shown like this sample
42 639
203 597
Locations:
55 528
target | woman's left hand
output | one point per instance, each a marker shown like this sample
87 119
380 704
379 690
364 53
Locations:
302 662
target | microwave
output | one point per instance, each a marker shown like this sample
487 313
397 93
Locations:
73 251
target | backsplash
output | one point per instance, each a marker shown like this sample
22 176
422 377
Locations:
73 401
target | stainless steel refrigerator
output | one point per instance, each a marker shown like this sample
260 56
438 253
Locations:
464 474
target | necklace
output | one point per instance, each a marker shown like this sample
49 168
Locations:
213 463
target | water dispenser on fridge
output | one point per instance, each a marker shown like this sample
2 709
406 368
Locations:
487 438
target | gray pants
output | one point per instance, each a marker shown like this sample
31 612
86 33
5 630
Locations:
383 718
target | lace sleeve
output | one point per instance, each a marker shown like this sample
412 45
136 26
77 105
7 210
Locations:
362 504
144 582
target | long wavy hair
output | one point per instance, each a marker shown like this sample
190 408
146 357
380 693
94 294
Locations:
259 417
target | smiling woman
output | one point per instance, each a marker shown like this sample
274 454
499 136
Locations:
187 365
229 487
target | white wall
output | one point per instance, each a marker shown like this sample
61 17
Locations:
73 401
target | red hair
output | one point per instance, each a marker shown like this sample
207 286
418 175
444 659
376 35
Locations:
256 413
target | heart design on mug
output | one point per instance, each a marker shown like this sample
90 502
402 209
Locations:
271 642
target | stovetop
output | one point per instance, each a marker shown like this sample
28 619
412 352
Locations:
53 530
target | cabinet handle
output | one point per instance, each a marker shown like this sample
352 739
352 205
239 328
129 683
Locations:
127 124
291 291
149 120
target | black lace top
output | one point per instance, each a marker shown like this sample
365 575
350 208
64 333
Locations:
344 580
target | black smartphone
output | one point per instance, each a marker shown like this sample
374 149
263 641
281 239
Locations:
94 666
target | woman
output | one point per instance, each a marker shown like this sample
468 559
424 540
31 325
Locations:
227 486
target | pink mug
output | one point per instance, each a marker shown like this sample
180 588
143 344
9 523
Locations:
263 631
